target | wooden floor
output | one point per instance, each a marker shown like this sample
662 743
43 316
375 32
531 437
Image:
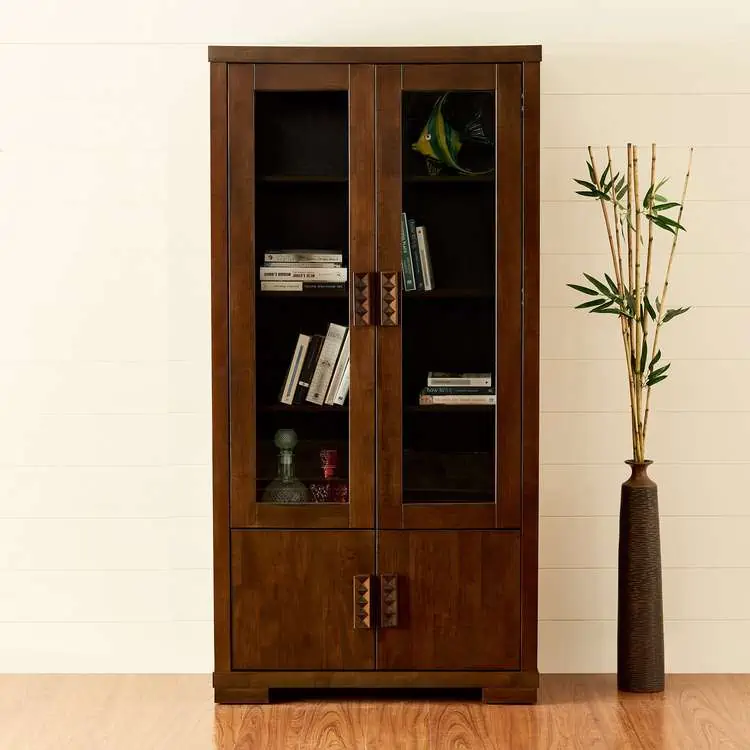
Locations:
177 713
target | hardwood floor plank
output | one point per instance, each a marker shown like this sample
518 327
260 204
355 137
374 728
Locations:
176 712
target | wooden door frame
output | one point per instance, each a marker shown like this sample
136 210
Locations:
506 80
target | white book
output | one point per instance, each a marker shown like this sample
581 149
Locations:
343 390
303 256
459 380
295 367
292 264
303 273
424 257
338 372
299 286
457 400
326 362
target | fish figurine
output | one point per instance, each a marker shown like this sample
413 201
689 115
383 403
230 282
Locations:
440 143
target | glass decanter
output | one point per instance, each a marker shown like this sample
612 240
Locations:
286 488
330 489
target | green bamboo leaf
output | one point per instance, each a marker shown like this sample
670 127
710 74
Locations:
665 206
661 184
587 185
647 197
660 371
603 306
671 222
591 171
611 283
654 381
583 289
649 309
660 198
610 310
621 192
598 284
674 312
587 193
644 356
605 174
591 303
655 360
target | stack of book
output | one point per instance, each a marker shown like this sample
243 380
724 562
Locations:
302 271
458 389
319 370
416 264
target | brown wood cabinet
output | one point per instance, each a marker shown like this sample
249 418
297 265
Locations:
427 575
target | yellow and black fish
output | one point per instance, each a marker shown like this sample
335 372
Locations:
440 143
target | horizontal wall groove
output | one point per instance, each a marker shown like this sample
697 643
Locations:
664 567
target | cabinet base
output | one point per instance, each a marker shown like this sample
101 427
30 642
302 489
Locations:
254 687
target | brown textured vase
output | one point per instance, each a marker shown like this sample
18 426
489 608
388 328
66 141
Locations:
640 617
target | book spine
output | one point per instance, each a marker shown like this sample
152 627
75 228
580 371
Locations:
458 382
303 257
300 286
424 257
306 264
343 390
338 371
427 400
407 270
447 390
295 367
415 259
303 273
326 361
308 368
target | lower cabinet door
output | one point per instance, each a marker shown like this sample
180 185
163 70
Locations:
455 602
293 600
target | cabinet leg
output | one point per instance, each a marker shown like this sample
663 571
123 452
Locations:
245 695
509 695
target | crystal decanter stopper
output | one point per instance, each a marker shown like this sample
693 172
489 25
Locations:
330 489
286 488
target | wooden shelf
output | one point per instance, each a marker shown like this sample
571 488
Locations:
457 408
303 409
309 294
446 293
449 179
302 179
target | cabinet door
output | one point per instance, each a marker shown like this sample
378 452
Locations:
452 465
301 178
294 603
457 600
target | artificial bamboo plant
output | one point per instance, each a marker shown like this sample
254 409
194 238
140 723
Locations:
629 294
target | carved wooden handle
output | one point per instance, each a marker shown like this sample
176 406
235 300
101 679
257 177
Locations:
389 299
388 600
362 602
362 299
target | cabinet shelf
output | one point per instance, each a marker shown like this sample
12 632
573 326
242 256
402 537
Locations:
455 408
449 179
447 293
302 179
302 409
309 294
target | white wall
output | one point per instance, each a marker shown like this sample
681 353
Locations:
104 302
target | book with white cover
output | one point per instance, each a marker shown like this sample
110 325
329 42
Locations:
456 400
300 286
338 372
292 264
326 362
343 390
424 257
303 256
295 367
460 379
303 273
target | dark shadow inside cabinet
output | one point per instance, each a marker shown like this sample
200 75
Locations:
302 207
449 445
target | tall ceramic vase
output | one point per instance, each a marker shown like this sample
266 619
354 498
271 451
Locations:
640 618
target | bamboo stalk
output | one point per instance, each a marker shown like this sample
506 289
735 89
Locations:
665 288
617 263
638 305
629 228
647 282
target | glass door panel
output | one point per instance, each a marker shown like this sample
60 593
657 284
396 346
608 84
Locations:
295 242
450 169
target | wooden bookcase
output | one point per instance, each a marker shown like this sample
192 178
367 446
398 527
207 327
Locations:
427 577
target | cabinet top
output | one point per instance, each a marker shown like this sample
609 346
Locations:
373 55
